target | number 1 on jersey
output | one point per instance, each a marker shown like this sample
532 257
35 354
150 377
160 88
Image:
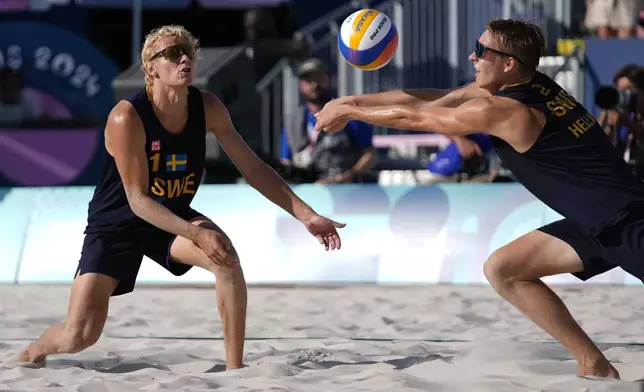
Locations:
155 162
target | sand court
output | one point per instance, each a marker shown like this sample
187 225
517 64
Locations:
350 338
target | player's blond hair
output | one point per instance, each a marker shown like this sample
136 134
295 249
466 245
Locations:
150 45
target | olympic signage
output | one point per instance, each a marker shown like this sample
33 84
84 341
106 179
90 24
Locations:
61 64
50 157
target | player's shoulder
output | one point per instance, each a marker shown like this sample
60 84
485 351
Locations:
496 106
515 122
472 91
123 117
506 103
215 110
210 100
124 128
515 114
503 117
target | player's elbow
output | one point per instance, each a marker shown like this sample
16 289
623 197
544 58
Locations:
252 168
136 199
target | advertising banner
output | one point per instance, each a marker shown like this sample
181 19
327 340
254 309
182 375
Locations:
59 64
49 157
13 5
394 235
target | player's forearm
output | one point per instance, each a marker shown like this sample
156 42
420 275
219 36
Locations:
397 97
403 117
414 97
158 215
267 182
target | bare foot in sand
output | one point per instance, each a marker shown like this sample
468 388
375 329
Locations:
28 357
600 368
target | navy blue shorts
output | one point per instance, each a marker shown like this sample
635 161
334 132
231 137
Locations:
620 246
119 254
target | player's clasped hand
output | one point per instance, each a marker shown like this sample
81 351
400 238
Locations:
218 248
333 117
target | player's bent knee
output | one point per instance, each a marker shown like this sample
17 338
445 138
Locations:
232 275
501 267
530 258
505 266
221 272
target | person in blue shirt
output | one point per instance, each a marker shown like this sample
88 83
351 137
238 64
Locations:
321 157
471 156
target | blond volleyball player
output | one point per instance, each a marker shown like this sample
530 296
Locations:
155 142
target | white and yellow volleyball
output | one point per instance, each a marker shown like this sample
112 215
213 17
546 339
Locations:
368 39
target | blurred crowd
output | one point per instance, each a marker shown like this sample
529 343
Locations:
615 18
305 156
622 113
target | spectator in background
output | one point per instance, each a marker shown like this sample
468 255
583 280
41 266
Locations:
468 158
622 80
639 30
15 106
610 18
266 45
341 157
630 119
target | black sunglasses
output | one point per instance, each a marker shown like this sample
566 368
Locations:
480 49
174 52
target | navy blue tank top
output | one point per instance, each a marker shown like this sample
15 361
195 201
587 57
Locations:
572 167
175 168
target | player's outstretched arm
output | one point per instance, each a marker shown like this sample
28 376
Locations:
471 117
504 118
125 141
262 177
416 97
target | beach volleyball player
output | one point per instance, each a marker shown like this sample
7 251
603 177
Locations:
556 149
141 206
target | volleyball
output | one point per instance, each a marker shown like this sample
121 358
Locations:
368 39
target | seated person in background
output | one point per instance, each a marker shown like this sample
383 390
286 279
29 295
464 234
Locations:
16 107
325 158
467 156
